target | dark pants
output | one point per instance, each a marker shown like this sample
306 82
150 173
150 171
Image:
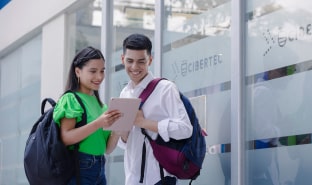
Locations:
168 181
92 170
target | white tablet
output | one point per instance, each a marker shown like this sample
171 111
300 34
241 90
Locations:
128 108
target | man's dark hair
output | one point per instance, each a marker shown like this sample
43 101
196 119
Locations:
137 42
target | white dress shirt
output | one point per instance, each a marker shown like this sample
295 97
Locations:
164 106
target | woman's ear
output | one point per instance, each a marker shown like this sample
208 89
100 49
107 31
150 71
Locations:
77 72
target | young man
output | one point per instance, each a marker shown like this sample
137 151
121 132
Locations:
162 114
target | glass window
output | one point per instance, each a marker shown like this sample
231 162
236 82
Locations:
129 16
279 35
84 27
196 56
83 30
20 73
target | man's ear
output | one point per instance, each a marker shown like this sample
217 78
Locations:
123 59
150 60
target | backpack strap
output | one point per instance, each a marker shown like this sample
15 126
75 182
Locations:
148 90
50 100
144 95
79 124
84 115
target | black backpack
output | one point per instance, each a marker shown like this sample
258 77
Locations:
47 161
182 158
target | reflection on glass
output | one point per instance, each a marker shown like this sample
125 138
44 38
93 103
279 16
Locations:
88 22
129 16
278 70
84 28
194 20
196 56
134 14
265 118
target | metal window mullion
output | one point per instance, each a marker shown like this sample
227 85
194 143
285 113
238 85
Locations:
106 45
158 35
237 93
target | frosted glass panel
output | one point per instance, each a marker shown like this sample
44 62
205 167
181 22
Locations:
10 73
130 16
278 92
19 107
196 56
30 62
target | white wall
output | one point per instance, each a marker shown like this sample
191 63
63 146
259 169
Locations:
53 58
19 18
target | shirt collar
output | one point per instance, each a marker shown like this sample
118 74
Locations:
143 84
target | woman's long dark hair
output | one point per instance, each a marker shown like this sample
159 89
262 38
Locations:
80 60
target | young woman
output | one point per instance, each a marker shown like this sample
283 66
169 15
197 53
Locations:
85 76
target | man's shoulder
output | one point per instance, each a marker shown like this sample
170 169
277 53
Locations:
166 85
166 82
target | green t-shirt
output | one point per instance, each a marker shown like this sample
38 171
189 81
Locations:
69 107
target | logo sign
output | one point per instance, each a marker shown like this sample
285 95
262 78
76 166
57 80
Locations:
286 35
187 67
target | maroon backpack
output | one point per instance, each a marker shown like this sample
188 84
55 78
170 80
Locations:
182 158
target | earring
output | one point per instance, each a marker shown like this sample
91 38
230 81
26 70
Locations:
78 79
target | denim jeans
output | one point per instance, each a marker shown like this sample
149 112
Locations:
168 181
92 170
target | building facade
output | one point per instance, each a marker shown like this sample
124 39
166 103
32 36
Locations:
245 65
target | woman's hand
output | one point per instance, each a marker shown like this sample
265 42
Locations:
113 140
71 135
109 117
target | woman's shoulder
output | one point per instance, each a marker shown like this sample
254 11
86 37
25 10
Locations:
67 98
67 106
68 101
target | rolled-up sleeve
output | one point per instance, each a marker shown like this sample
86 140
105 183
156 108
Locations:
177 125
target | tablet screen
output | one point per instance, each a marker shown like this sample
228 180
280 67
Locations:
128 108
